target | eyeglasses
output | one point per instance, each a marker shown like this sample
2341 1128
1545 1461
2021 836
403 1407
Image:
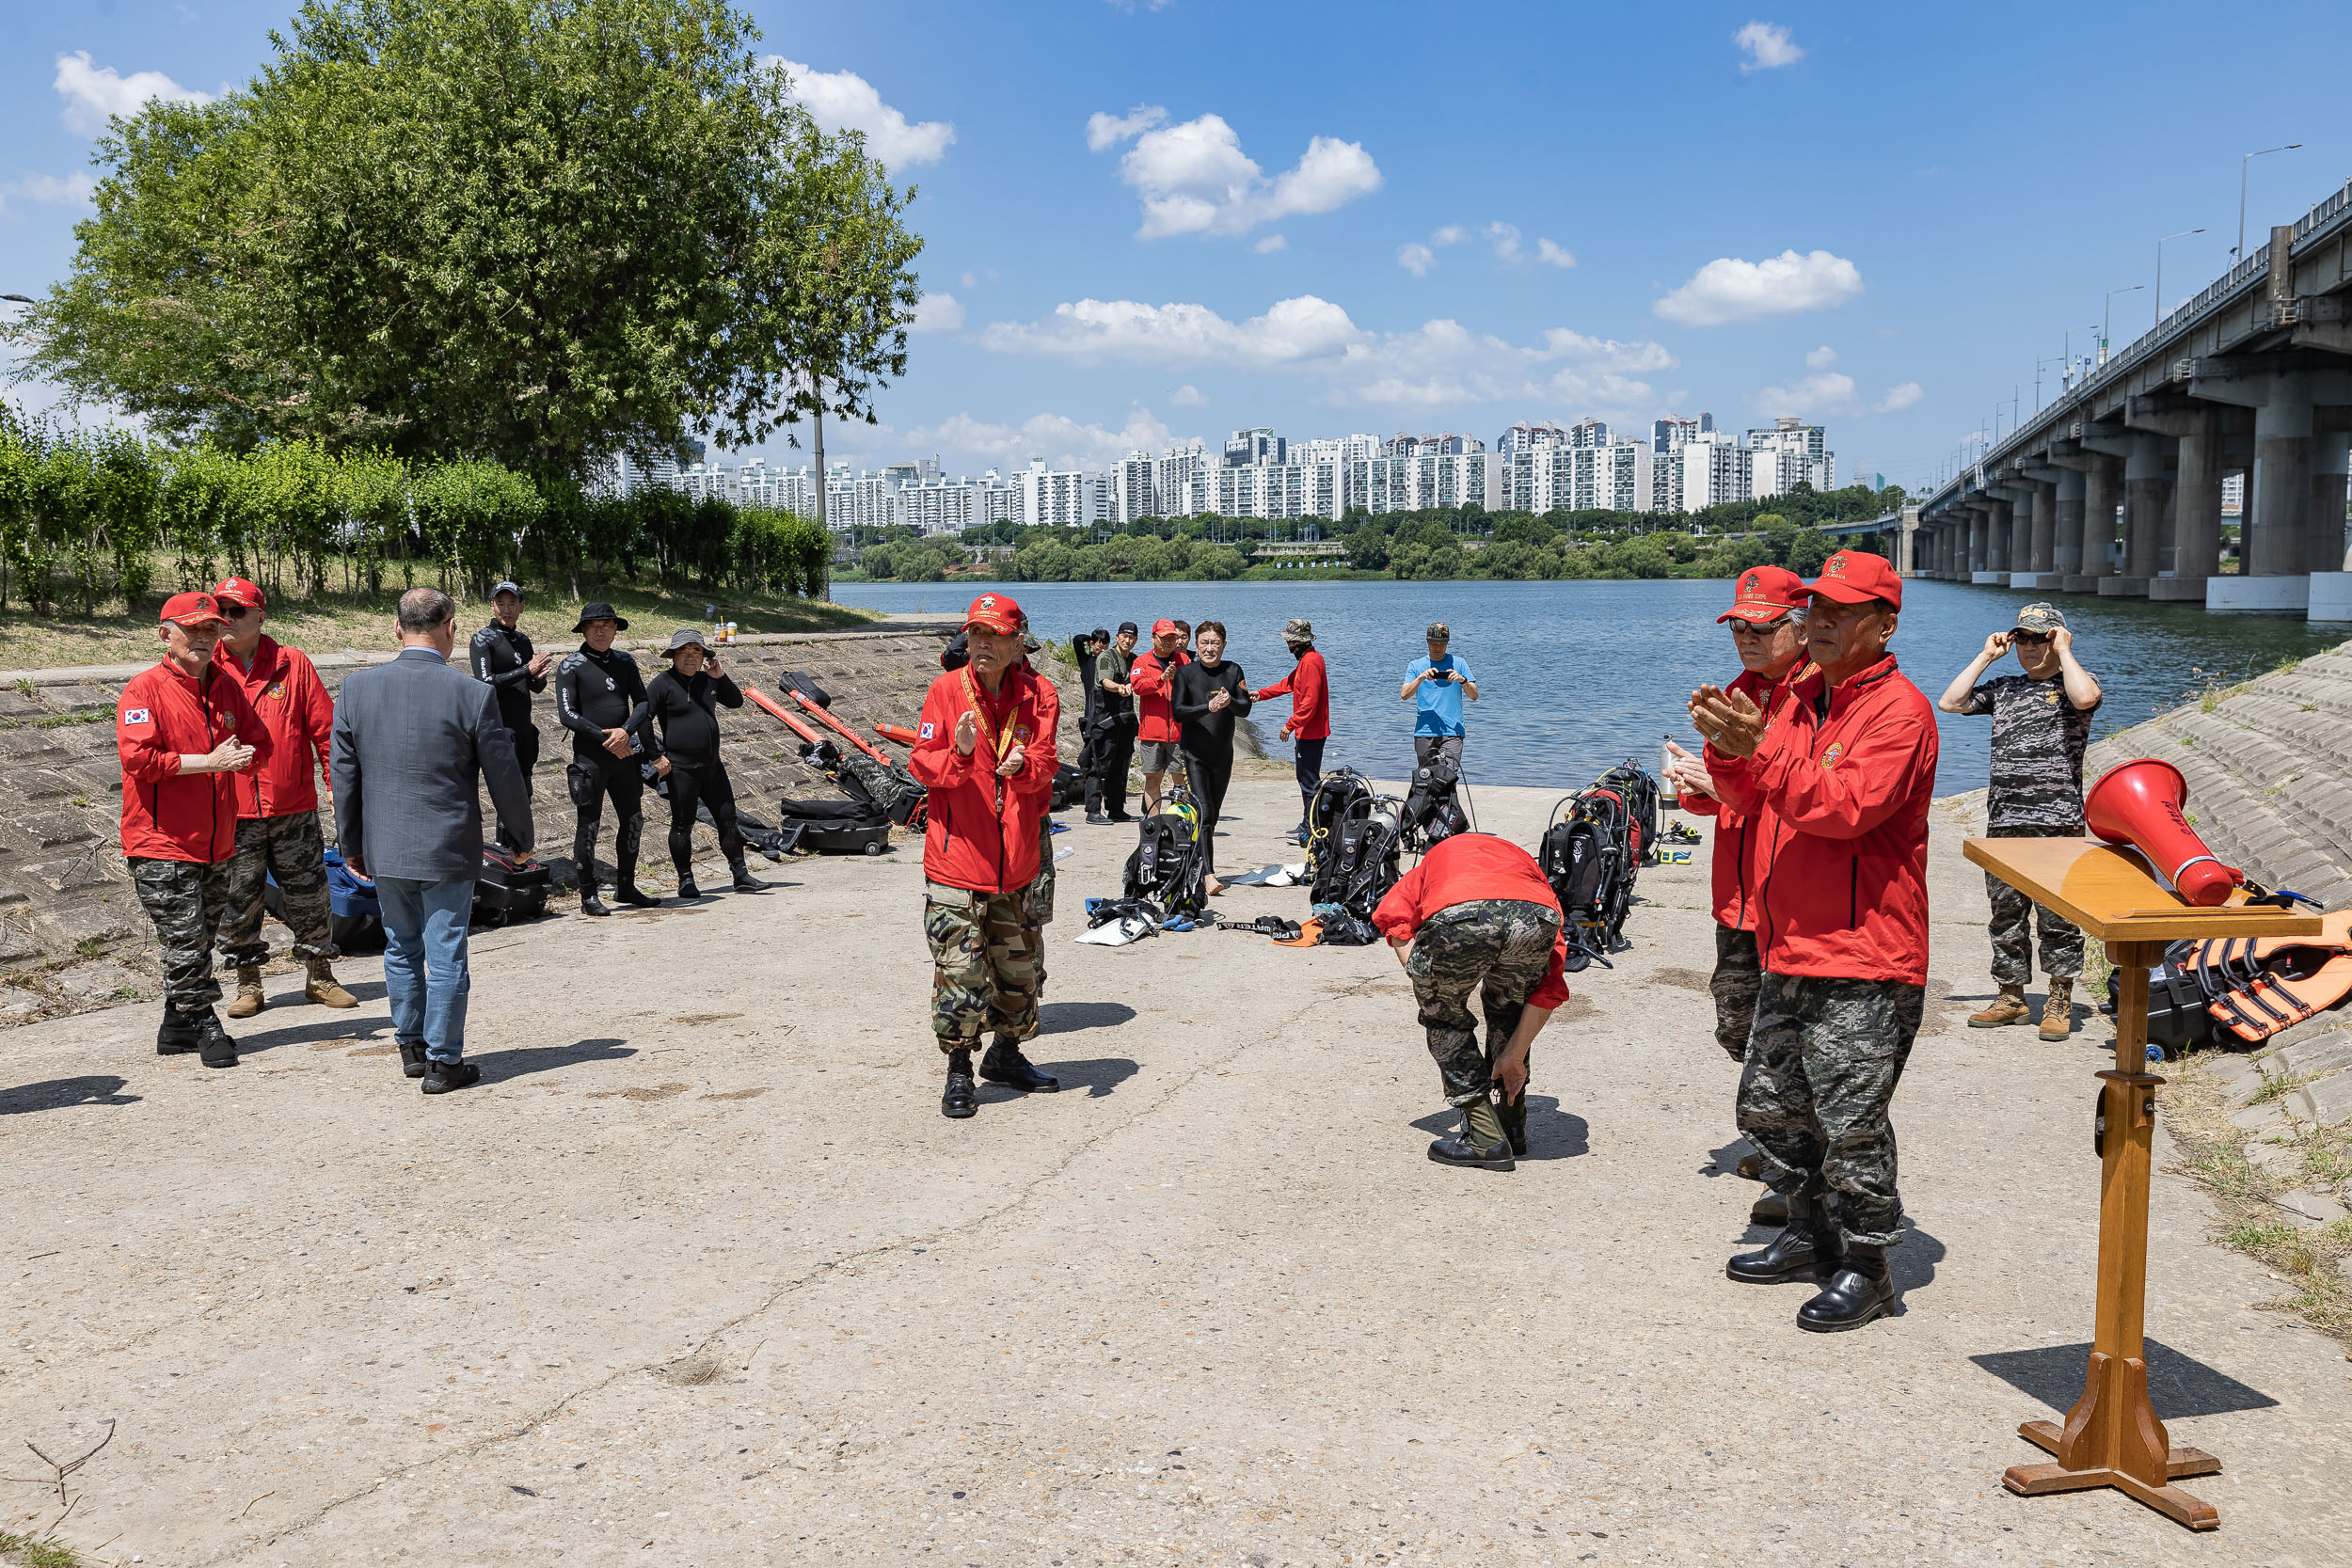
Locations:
2032 639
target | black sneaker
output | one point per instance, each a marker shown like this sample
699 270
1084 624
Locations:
444 1077
1096 819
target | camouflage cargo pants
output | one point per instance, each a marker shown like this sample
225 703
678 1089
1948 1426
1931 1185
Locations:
984 964
1823 1065
2012 911
186 901
1738 974
1500 948
291 850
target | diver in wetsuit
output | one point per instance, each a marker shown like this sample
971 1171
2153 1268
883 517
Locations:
683 703
600 698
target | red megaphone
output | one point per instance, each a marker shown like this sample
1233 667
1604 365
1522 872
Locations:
2139 803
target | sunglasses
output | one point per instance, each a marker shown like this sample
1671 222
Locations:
235 612
2031 639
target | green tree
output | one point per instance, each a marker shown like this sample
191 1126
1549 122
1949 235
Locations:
1807 550
531 232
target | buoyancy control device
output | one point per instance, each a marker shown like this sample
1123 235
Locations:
1165 865
1591 853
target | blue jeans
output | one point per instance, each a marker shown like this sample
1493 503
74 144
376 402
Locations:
426 975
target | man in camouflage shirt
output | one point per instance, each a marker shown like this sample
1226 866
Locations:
2041 724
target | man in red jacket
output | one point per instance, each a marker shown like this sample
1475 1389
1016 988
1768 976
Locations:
985 749
1478 916
277 804
1152 680
1310 723
1766 618
183 731
1845 770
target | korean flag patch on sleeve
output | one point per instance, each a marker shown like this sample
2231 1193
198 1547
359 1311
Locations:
926 732
135 716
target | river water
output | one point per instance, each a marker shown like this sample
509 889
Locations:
1576 676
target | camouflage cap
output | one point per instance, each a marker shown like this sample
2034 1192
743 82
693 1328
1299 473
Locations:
2039 617
1296 629
1439 632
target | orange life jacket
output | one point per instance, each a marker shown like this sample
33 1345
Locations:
2261 985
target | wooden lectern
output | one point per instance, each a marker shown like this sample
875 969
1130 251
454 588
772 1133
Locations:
2112 1437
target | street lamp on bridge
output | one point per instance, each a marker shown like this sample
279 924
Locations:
2108 319
2183 234
2243 165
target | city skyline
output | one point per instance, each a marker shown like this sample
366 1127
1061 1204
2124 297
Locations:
1738 212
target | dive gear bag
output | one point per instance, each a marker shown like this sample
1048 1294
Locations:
355 921
834 827
509 889
1165 865
1591 853
887 787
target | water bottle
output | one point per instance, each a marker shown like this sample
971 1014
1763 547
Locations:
1665 755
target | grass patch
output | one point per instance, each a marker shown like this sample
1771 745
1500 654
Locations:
37 1554
122 634
2212 1150
2280 1087
68 721
90 947
2097 967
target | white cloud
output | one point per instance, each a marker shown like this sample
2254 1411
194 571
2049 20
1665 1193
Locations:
1900 397
1822 393
844 101
1440 363
1416 259
1063 442
73 190
1554 255
1195 178
1767 47
1107 131
92 94
1188 396
969 280
1729 290
1506 239
1821 358
937 313
1271 244
1453 234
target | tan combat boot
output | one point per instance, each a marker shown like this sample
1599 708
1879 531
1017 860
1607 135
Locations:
320 988
2008 1007
2057 1014
249 1000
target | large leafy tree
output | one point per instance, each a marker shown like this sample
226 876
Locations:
530 231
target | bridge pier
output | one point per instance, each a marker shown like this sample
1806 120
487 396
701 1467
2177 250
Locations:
2066 549
1997 531
2195 534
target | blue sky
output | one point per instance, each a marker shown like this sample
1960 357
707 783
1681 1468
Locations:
1147 221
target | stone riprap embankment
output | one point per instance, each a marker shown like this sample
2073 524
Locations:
72 935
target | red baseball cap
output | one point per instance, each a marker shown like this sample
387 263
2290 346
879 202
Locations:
192 609
1765 593
237 591
997 612
1164 627
1857 576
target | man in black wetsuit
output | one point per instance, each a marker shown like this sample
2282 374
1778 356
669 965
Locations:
683 703
502 658
601 697
1208 695
1115 721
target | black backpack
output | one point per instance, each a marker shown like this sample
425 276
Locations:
1433 812
1165 867
1639 790
1587 857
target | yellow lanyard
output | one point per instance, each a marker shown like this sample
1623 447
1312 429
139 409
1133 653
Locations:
1000 744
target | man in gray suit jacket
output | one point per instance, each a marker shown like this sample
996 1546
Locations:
411 737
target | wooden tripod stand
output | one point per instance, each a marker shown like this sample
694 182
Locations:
2112 1437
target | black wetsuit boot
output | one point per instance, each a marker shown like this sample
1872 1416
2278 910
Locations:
625 840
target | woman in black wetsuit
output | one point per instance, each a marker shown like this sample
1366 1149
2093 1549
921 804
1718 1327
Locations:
1206 697
683 701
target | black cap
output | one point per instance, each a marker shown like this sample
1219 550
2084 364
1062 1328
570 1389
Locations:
1126 626
599 612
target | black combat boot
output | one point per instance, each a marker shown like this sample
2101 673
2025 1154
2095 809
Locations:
959 1100
1807 1246
1481 1144
1514 1114
178 1034
1860 1291
744 881
412 1060
213 1046
1004 1064
444 1077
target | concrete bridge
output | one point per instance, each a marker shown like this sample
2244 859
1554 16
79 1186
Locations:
2115 489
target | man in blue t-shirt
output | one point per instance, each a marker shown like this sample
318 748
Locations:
1437 683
